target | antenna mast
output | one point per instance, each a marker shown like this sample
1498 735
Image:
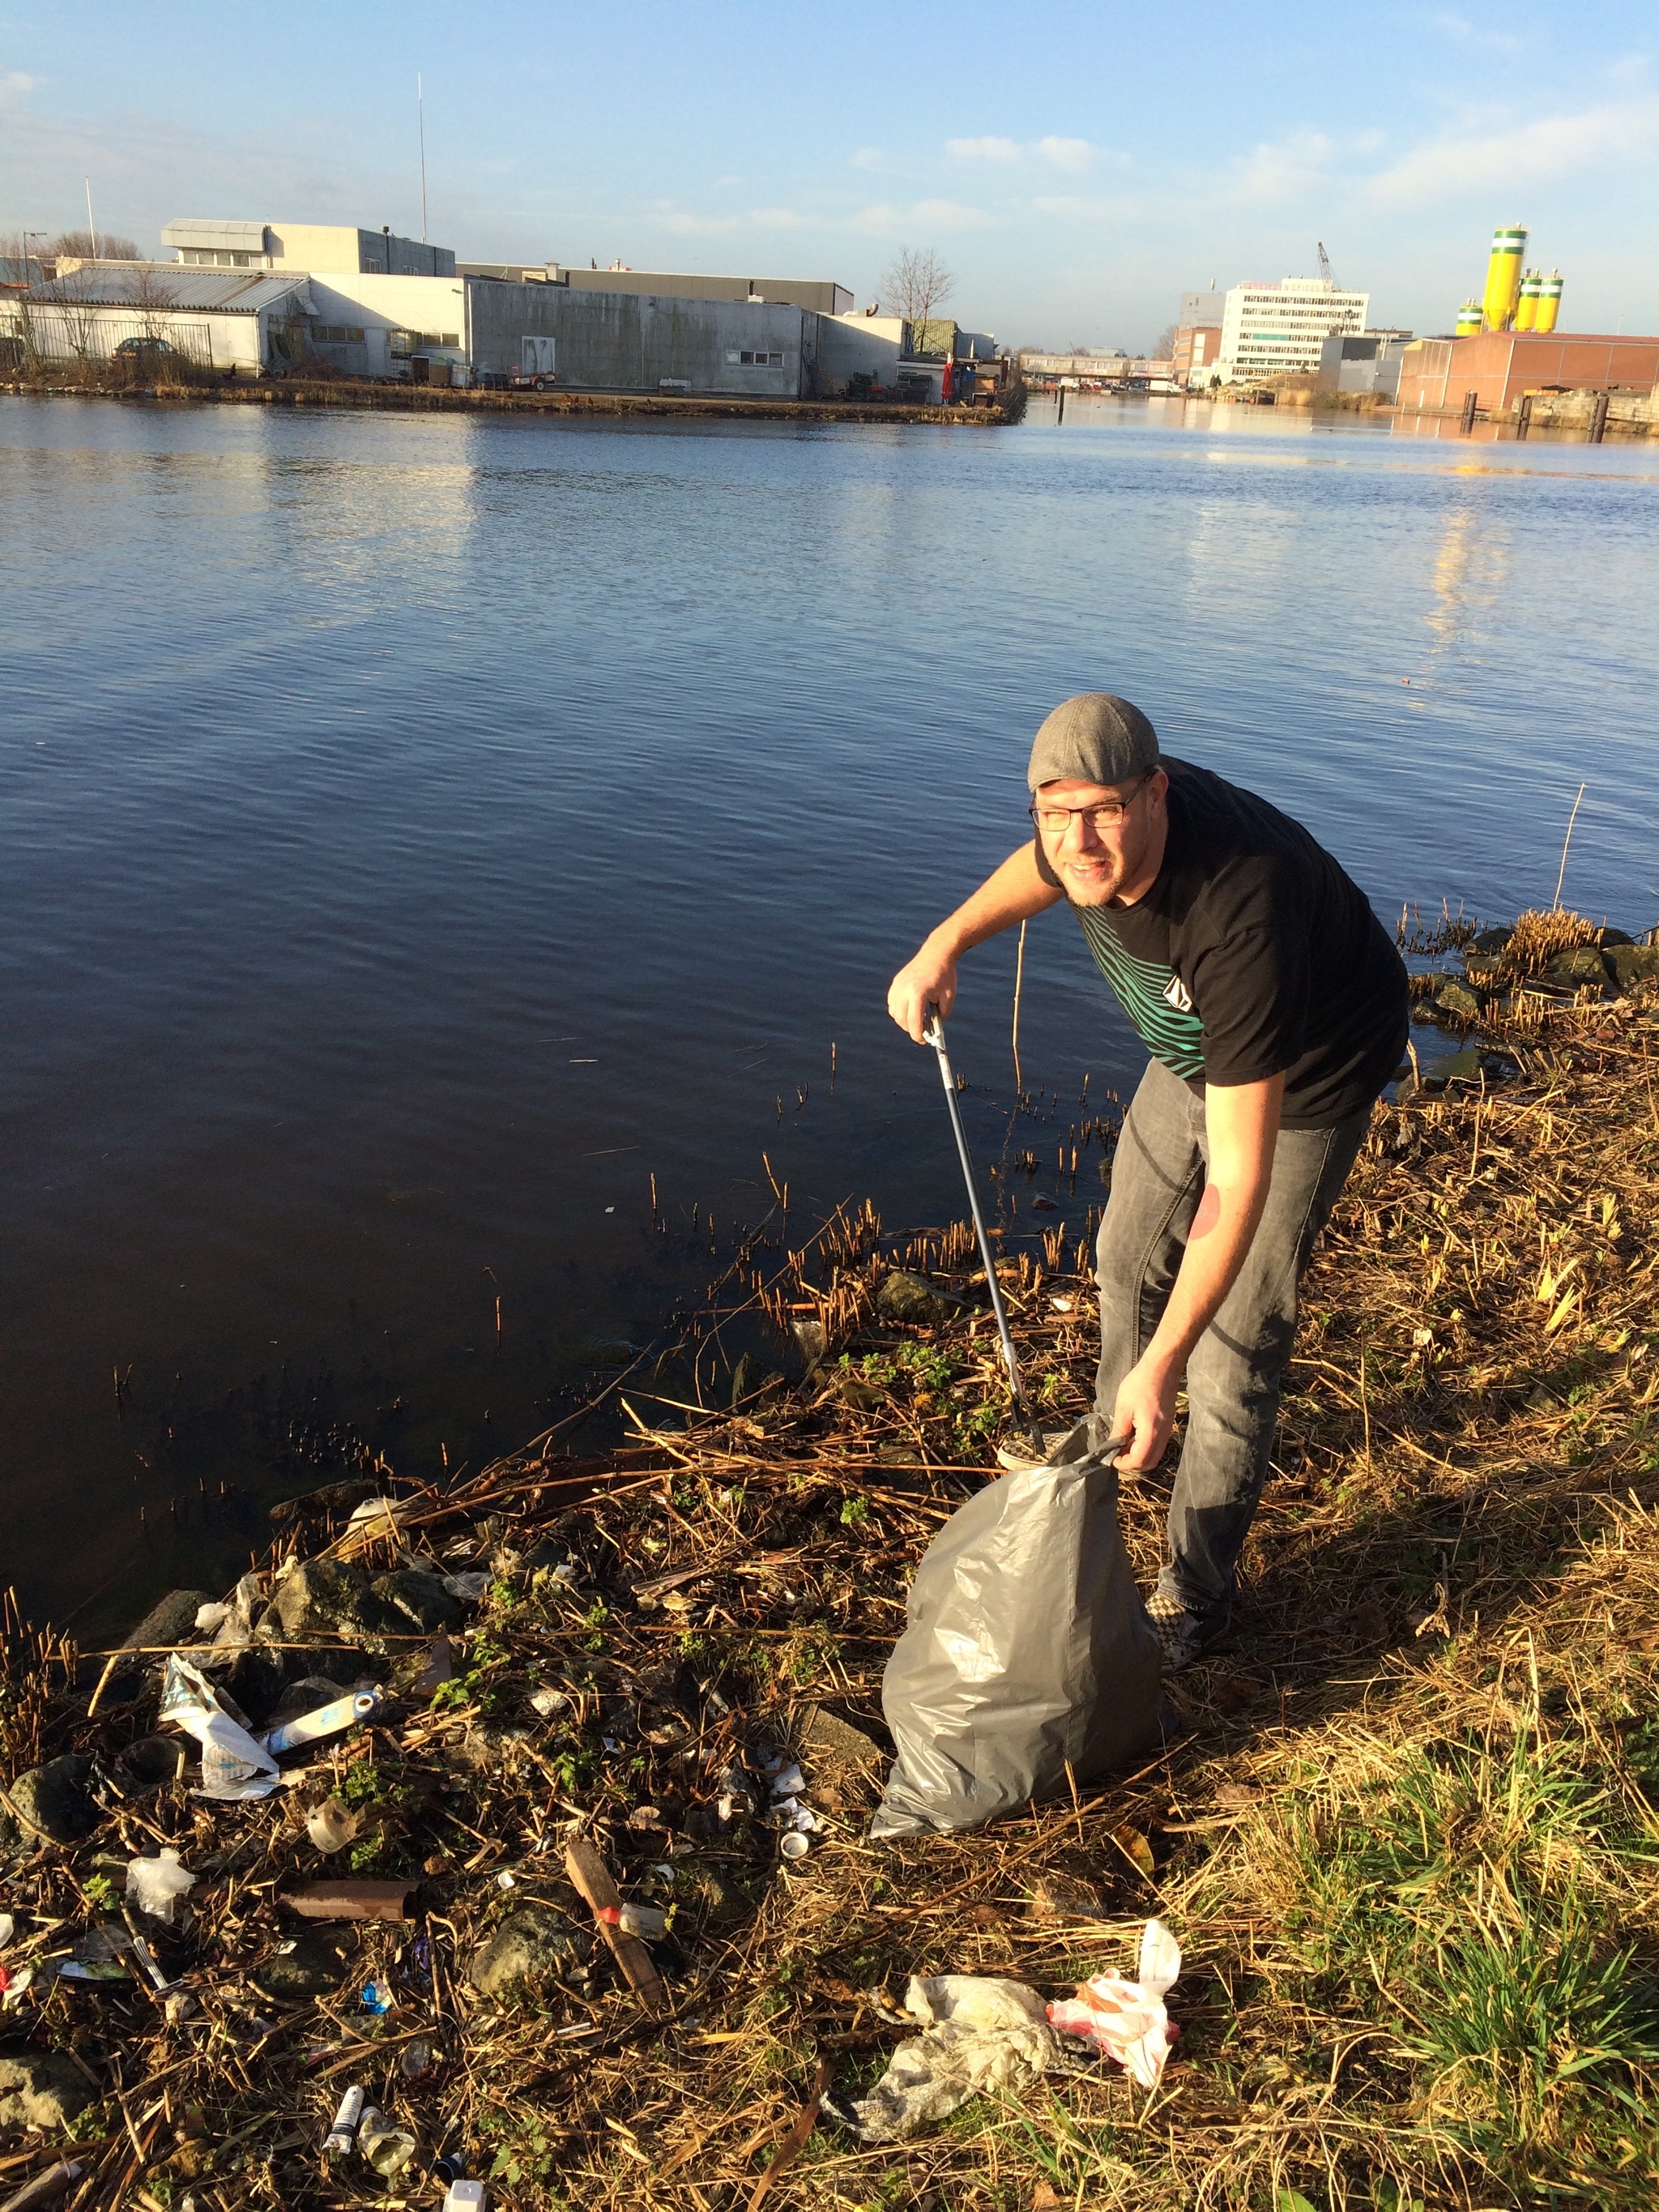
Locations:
419 114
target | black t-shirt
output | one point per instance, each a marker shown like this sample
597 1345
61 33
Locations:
1254 954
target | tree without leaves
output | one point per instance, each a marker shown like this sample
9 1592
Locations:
77 246
1164 346
916 282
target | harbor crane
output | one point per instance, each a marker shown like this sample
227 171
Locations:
1325 266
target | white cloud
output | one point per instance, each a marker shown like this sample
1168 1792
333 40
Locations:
869 157
1072 155
1006 150
17 84
1539 151
1459 28
1075 154
882 219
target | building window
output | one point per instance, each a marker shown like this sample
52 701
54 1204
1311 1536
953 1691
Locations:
207 257
422 341
747 358
338 334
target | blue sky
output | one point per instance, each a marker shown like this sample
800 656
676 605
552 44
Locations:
1076 169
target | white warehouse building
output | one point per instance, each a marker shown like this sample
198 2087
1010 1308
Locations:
1276 330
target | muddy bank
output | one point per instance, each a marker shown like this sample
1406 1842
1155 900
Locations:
427 399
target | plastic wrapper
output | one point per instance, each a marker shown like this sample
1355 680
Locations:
387 2148
1028 1651
156 1885
1127 2020
234 1764
981 2034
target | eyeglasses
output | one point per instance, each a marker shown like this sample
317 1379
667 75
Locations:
1054 820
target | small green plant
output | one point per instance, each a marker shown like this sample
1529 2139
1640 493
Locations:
526 2155
100 1893
855 1512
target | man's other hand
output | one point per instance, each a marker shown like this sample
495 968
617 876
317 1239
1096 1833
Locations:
929 979
1144 1413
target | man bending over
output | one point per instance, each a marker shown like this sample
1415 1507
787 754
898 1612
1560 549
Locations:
1274 1008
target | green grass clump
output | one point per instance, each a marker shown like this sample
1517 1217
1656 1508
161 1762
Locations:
1473 1895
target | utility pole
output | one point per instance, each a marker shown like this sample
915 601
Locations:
420 113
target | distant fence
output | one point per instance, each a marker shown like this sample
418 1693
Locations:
63 332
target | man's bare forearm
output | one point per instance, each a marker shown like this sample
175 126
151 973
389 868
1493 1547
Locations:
1013 893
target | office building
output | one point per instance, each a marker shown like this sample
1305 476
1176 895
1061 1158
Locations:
1278 329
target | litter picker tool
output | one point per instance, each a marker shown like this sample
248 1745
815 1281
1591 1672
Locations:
934 1034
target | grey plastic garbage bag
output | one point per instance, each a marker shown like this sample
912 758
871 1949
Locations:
1028 1648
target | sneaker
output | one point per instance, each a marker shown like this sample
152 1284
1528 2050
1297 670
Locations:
1020 1453
1183 1636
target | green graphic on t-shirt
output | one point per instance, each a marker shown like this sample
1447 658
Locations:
1172 1033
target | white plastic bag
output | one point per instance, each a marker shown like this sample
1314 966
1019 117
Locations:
234 1765
981 2034
156 1885
1127 2019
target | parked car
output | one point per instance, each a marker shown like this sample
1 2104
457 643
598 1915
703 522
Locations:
531 380
142 349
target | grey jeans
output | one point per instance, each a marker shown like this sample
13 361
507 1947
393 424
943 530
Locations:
1233 1374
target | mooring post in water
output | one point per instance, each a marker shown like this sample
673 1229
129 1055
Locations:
1523 415
1060 415
1599 419
1469 400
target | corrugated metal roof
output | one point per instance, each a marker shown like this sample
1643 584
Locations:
228 237
211 291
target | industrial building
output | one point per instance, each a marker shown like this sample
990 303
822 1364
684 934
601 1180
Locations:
1500 366
202 242
234 323
1367 365
1276 330
251 299
823 296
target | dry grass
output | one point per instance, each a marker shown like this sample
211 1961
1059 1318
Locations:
1407 1841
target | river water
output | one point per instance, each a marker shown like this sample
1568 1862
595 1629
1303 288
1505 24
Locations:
421 830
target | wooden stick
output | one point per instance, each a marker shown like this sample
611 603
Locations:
593 1878
794 2142
1562 877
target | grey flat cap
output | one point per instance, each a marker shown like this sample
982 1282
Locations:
1095 738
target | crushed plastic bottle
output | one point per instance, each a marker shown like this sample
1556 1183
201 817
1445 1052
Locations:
377 1997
